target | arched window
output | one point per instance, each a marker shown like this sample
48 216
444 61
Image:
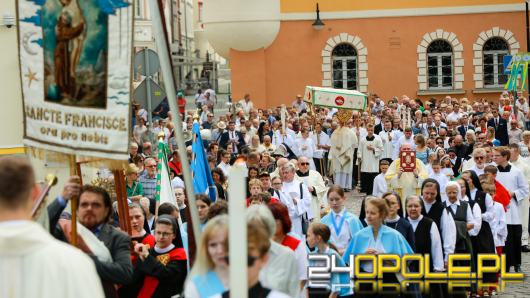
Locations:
440 65
344 59
494 51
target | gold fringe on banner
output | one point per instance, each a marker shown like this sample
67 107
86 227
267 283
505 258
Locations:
58 157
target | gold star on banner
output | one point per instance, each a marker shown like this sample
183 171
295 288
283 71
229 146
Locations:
32 76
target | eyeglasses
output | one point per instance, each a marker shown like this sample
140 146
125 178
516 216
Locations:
277 183
304 163
163 234
151 166
439 143
479 157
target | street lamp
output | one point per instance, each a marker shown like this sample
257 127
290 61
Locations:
318 24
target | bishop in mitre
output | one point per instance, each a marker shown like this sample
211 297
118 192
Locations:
343 142
405 183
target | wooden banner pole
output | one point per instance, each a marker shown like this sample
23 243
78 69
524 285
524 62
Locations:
121 198
74 201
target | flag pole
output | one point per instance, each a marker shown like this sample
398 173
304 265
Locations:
167 74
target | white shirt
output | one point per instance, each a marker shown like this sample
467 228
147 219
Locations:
514 181
388 145
323 138
281 271
246 106
498 224
342 240
291 207
300 254
292 190
448 228
225 168
34 264
278 139
442 180
380 185
437 255
370 159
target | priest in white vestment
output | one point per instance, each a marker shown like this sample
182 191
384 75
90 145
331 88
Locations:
514 181
523 164
300 196
32 262
368 155
387 135
406 183
315 185
343 142
322 145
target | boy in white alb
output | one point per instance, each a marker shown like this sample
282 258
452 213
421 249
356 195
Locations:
380 186
438 175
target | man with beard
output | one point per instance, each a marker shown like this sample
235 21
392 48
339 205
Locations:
33 264
108 247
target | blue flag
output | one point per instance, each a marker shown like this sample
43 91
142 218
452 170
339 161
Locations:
202 176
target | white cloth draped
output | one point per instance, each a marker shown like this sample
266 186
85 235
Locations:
33 264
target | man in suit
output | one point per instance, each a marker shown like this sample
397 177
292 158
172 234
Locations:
232 137
501 127
94 212
464 125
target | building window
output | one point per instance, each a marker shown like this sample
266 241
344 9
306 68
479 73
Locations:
440 65
344 59
494 51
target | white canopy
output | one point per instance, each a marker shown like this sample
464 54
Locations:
335 98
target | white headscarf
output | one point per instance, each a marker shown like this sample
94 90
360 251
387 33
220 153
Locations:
458 189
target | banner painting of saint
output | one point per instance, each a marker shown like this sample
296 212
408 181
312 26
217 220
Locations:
75 42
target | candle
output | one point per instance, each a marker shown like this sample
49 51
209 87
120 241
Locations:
237 238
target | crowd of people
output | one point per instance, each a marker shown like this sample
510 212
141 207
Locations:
463 189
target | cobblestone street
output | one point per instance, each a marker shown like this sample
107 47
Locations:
512 290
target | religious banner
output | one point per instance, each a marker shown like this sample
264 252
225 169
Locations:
518 67
75 65
335 98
